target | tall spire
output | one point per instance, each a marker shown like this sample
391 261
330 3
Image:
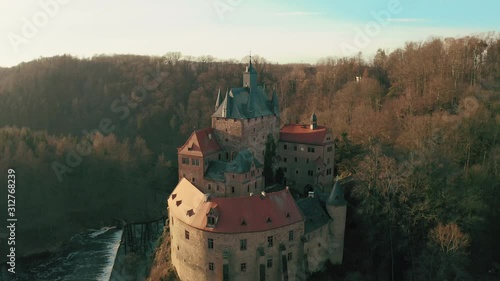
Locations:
225 105
250 59
314 121
218 101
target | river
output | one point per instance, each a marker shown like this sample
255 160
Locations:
87 256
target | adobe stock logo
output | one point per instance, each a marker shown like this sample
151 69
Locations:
29 30
221 7
372 29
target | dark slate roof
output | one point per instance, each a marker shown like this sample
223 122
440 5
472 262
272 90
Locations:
314 213
244 103
215 171
242 162
336 197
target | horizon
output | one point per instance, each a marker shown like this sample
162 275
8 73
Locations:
281 32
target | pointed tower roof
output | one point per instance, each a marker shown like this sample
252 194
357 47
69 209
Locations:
314 117
224 109
336 197
218 101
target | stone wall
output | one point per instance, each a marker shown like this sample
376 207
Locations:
337 231
297 161
191 257
316 248
237 134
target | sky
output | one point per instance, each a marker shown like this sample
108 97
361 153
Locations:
283 31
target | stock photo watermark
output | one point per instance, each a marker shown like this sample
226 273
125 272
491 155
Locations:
363 37
221 7
48 9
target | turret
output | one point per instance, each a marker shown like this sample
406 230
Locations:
314 121
225 105
250 76
336 206
218 101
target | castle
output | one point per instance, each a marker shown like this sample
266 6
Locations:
225 225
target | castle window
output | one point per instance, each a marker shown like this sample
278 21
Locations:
255 185
220 157
310 173
185 161
289 256
297 172
212 217
269 219
295 147
307 160
209 186
329 149
211 266
243 245
210 243
329 171
193 180
252 173
284 169
232 189
243 267
284 159
195 162
290 235
285 146
269 241
248 188
227 154
327 160
218 188
295 159
311 149
186 234
269 263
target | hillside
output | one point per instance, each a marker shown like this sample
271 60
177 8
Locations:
419 129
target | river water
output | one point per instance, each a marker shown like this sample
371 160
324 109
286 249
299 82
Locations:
87 256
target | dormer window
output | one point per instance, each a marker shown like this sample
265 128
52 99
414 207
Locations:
212 218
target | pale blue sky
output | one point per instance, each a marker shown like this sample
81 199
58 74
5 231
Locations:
279 30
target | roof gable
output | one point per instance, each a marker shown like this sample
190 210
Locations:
200 143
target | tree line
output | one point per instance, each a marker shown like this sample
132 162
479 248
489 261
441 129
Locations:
417 127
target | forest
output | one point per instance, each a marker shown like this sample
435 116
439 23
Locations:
417 127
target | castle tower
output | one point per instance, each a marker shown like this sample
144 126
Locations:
314 122
337 209
250 77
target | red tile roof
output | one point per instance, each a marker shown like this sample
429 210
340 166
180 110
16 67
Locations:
303 134
201 142
236 214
